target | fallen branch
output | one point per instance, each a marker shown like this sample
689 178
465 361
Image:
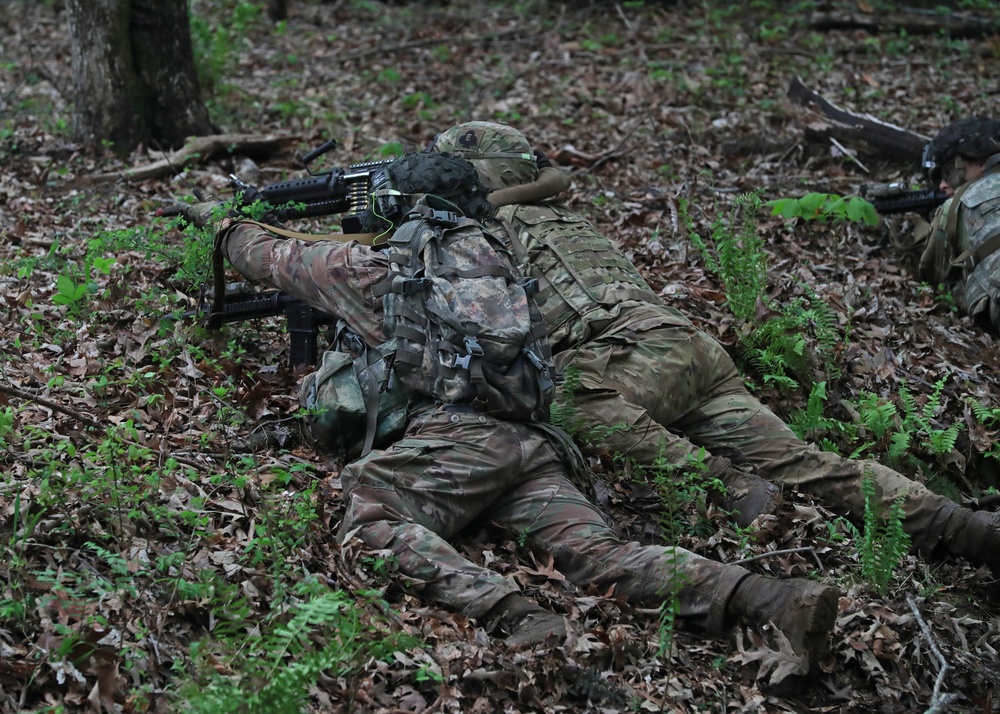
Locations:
911 20
787 551
860 131
201 149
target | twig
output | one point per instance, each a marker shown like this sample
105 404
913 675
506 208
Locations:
849 155
84 419
939 702
625 20
761 556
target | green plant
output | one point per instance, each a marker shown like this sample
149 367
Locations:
883 543
811 424
563 413
216 45
735 253
985 416
825 208
190 260
775 339
277 663
678 487
389 75
7 419
73 286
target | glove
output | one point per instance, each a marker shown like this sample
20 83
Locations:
197 214
541 159
202 214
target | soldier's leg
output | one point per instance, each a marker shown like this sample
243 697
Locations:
688 383
597 403
410 498
728 421
557 519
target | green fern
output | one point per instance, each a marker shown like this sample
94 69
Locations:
736 254
563 411
781 346
921 421
984 416
278 663
877 415
884 543
677 488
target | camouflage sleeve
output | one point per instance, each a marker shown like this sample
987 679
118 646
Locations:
935 262
332 276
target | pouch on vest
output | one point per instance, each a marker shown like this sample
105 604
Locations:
355 404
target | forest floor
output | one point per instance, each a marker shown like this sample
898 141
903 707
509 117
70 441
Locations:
153 551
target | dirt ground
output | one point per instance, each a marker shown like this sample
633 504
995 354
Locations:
138 511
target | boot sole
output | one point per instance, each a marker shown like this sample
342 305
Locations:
822 617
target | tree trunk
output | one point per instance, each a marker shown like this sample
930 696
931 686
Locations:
133 73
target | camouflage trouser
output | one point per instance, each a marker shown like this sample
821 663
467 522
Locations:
677 389
454 467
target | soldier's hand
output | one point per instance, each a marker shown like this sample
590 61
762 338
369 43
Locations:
198 214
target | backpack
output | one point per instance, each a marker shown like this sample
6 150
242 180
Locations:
461 313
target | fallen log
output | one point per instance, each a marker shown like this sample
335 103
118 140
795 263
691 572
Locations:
911 20
859 131
201 149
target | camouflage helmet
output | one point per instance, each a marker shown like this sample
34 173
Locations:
971 138
500 153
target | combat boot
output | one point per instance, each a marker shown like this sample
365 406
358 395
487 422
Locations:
747 496
975 536
804 611
524 622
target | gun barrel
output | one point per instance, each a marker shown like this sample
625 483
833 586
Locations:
909 202
305 190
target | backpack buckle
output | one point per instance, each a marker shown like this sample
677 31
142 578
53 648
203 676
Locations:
442 218
535 360
473 349
408 286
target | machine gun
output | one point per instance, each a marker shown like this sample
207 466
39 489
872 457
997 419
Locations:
345 191
339 190
896 197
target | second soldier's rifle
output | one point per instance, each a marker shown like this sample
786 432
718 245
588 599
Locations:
896 197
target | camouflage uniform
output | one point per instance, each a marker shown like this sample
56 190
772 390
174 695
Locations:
454 466
645 366
963 250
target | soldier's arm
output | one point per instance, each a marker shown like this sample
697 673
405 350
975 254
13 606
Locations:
935 261
335 277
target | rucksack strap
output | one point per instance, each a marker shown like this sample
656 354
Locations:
372 390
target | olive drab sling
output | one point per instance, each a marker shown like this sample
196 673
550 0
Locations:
465 326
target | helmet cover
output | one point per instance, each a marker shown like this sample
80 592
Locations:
500 153
449 177
971 138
